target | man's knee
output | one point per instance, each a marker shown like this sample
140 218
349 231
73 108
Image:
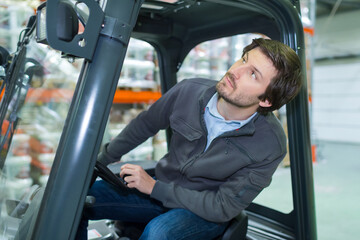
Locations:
156 230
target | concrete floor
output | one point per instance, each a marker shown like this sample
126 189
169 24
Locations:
337 191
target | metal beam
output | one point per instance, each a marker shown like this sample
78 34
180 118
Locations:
75 158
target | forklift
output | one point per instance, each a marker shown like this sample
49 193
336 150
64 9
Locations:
173 28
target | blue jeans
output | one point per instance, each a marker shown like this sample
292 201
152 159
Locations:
132 206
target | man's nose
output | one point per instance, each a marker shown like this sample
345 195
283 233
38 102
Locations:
238 71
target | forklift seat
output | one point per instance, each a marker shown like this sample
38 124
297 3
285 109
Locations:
237 228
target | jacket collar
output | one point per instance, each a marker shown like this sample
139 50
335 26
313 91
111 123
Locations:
206 96
248 129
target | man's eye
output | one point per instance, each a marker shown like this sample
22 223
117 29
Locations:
243 60
253 75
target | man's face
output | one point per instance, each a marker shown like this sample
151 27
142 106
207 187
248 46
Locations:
247 79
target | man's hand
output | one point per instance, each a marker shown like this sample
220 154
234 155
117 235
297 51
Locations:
137 178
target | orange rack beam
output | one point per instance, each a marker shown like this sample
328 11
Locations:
128 96
60 95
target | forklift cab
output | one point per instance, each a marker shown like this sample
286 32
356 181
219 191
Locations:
173 28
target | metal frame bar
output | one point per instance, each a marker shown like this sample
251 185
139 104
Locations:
286 14
75 158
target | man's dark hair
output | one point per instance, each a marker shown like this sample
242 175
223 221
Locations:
287 83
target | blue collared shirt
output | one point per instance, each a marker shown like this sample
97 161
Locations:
216 124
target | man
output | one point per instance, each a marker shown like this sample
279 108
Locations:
225 146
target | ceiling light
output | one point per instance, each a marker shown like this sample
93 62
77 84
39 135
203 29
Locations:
151 6
168 1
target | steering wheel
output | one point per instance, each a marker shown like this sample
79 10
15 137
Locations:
107 175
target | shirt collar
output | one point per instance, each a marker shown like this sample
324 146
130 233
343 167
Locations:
212 108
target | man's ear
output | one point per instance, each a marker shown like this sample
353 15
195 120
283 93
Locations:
265 103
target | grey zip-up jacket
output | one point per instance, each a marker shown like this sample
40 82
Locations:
218 183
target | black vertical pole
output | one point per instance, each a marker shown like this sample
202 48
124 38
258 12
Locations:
70 176
300 149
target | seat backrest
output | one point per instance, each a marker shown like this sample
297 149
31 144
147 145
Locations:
237 228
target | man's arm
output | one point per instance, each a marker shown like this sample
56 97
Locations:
228 201
145 125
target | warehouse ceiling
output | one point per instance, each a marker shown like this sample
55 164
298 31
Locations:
337 29
330 7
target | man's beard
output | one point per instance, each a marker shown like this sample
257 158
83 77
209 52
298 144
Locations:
239 100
